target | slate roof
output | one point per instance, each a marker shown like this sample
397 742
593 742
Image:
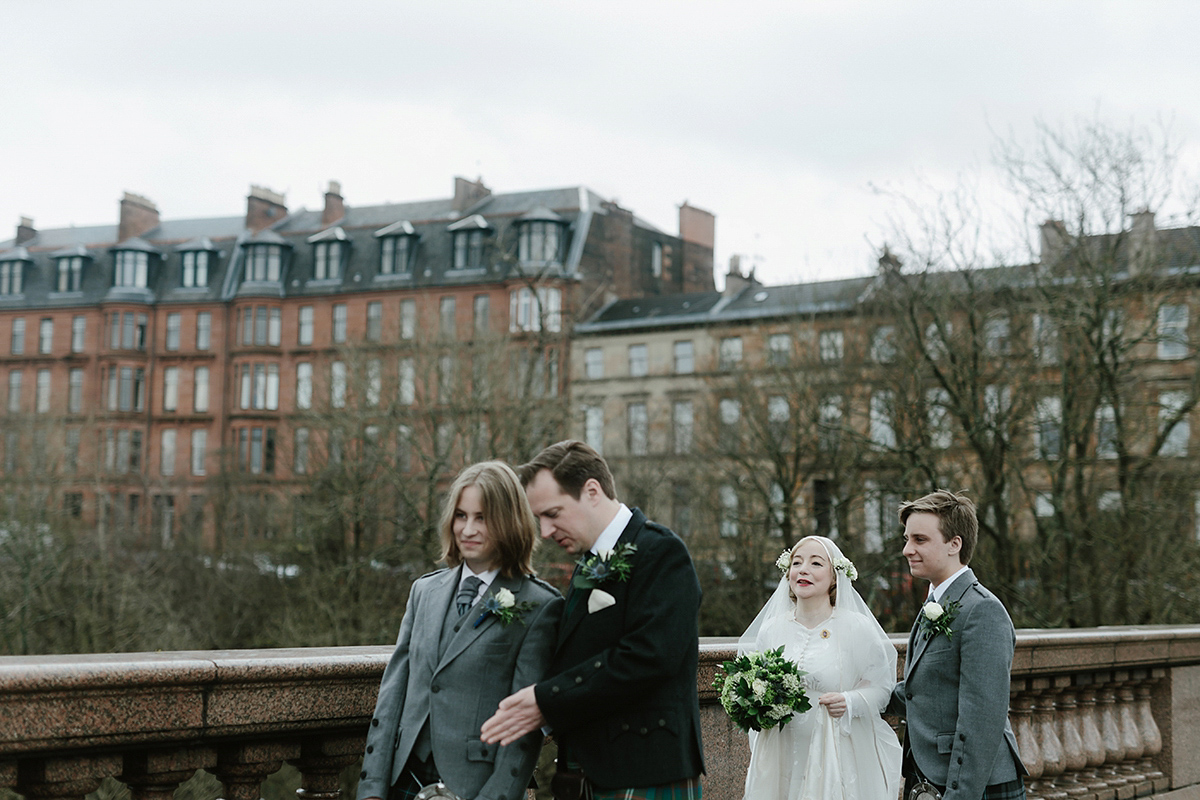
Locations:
226 237
753 302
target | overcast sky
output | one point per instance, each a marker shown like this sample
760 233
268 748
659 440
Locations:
777 117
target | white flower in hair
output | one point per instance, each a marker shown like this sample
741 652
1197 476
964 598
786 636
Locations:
784 562
846 567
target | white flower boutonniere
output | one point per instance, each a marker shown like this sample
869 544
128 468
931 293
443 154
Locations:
504 607
936 618
606 565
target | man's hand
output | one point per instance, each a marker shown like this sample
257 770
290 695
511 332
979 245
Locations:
834 702
518 715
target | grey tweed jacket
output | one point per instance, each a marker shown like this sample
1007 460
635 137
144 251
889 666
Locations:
954 695
458 690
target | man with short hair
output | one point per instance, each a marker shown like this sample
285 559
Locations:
620 693
956 673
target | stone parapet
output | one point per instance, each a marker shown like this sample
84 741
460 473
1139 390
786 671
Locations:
1099 713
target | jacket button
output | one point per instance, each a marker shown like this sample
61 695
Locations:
960 759
579 679
954 785
908 695
624 726
643 731
662 723
435 688
962 737
554 689
362 775
370 748
596 665
374 722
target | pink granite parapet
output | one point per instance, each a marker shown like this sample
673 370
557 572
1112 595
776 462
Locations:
151 717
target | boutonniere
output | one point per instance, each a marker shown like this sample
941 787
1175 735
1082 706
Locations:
504 607
600 568
936 618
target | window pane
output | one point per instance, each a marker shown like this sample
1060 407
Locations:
200 389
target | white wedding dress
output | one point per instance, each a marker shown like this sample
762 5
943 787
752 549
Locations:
816 757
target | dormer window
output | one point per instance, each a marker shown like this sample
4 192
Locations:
70 274
397 243
131 268
329 254
469 239
327 261
195 269
262 262
12 271
195 257
540 237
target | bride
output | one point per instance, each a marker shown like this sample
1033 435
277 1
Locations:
841 747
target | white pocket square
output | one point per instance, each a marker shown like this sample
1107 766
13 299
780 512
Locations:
600 599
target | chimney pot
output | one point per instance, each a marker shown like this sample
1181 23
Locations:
25 230
697 225
468 193
138 216
335 207
264 208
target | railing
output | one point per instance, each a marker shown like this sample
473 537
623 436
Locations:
1100 714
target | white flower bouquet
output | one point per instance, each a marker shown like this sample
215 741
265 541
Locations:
760 691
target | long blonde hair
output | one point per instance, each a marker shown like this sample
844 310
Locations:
512 528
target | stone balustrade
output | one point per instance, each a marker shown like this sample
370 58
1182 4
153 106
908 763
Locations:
1108 713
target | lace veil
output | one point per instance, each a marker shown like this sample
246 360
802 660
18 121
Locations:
849 602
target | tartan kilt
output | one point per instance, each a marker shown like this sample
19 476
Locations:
689 789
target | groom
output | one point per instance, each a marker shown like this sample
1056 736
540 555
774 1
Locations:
956 674
620 692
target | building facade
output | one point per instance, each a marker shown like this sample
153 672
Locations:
150 360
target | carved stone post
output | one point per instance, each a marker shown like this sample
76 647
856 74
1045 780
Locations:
242 768
64 778
1093 744
1051 747
321 762
156 774
1151 737
1074 758
1021 709
1131 738
1110 732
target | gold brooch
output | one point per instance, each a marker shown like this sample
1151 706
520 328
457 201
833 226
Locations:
825 633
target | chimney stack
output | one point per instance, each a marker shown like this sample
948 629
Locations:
138 216
697 225
25 231
468 193
1143 240
264 208
1052 241
335 209
735 281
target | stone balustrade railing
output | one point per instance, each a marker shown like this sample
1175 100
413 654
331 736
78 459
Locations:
1100 714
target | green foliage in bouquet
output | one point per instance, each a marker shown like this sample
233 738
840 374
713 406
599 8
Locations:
761 690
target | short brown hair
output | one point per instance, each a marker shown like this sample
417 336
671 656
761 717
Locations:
572 464
512 528
956 517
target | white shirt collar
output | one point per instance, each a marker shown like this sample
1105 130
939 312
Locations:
936 592
607 540
486 577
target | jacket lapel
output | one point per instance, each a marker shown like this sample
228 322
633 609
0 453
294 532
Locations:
469 632
579 611
440 598
954 592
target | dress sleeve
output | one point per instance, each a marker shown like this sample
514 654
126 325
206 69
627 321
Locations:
865 657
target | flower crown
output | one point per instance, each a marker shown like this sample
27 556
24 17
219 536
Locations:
842 565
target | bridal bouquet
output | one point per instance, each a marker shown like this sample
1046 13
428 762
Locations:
761 690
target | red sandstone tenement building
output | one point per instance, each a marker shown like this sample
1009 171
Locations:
134 356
